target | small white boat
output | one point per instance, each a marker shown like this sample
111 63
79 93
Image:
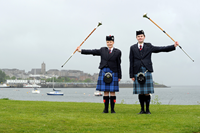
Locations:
35 91
98 93
4 86
55 92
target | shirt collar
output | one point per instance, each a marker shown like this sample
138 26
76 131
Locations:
111 49
140 44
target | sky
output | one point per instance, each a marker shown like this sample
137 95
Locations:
37 31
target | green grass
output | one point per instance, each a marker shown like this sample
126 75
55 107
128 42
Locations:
40 116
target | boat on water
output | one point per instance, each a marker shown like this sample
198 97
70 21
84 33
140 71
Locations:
35 91
55 92
98 93
4 86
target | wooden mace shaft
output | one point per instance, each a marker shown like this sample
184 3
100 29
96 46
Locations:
170 37
85 39
162 29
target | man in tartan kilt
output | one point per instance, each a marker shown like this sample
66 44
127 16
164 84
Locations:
140 61
110 63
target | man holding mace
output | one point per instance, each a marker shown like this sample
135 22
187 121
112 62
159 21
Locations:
141 68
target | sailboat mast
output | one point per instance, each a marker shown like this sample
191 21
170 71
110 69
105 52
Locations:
34 76
53 81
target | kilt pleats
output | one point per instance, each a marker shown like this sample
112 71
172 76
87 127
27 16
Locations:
145 88
102 86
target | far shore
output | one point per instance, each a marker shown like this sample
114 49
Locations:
82 85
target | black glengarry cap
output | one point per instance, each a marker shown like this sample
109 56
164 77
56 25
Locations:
110 38
140 32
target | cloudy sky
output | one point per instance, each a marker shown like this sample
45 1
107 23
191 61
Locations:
36 31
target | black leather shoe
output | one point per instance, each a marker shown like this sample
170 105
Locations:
148 112
113 111
142 112
105 111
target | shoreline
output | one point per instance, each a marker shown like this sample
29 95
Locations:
82 85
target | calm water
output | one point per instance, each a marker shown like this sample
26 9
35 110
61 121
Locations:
187 95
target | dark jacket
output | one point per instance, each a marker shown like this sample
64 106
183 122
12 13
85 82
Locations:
113 60
137 58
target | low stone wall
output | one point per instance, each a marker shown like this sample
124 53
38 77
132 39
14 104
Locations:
81 85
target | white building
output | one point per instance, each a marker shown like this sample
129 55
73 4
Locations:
17 81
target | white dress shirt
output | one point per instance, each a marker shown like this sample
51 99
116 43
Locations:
140 44
111 49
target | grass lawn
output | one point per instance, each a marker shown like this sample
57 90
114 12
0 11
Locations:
41 116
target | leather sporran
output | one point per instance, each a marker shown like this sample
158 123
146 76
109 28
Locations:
141 78
108 78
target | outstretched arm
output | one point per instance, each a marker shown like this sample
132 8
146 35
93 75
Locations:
157 49
93 52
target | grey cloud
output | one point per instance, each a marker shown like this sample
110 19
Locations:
50 30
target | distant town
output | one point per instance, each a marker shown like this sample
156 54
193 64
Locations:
60 78
38 74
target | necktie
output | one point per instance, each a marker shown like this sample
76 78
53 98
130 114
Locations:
109 51
140 47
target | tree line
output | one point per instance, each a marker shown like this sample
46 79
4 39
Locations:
66 79
4 77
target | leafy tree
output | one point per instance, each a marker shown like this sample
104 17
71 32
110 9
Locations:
87 80
73 80
2 76
13 77
48 80
67 79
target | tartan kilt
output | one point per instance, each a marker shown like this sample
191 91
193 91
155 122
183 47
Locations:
102 86
145 88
